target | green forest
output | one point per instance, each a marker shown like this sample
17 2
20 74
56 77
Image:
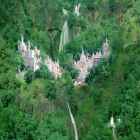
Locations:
43 98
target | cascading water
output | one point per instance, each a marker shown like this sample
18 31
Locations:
64 38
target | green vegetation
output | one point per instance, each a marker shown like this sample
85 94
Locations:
34 108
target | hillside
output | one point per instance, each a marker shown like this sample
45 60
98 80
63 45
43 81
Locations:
70 70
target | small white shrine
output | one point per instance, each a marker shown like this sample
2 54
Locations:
77 9
112 123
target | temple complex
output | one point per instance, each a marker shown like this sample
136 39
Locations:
32 60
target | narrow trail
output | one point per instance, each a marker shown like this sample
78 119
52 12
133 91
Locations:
73 122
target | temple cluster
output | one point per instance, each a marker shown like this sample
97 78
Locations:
86 62
53 67
32 60
30 56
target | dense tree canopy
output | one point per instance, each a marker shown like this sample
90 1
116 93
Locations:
33 107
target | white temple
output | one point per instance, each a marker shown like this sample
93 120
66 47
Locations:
77 9
86 62
53 67
112 125
64 38
30 56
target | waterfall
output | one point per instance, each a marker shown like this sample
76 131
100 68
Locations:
64 38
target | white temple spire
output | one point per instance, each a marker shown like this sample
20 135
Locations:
22 39
106 49
65 12
77 9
